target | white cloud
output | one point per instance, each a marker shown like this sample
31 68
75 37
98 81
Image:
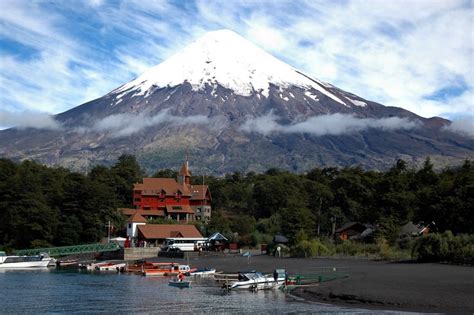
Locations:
464 127
22 120
121 125
335 124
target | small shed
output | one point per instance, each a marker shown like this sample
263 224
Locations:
217 242
351 230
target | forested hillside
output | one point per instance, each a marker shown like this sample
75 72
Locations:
42 206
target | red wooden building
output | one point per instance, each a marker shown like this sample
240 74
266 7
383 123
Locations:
173 199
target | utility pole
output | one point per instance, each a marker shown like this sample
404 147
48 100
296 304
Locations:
319 215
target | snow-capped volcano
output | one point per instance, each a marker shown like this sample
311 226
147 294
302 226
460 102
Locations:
224 57
234 107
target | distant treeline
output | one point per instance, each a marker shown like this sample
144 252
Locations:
42 206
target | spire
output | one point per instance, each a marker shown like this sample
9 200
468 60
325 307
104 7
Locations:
184 175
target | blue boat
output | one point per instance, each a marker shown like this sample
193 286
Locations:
180 284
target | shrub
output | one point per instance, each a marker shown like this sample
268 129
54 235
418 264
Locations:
310 248
444 247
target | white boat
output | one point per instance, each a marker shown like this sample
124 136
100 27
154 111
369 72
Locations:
257 281
203 272
38 261
88 266
110 267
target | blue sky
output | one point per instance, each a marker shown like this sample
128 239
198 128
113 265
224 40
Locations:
55 55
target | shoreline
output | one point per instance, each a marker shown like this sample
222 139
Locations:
372 285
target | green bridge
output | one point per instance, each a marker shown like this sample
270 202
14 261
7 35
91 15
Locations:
70 250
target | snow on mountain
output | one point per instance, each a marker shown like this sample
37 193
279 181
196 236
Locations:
223 57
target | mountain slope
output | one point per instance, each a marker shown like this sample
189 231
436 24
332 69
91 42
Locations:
234 107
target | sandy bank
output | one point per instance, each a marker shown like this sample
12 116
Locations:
372 284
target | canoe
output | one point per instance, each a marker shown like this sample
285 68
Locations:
180 284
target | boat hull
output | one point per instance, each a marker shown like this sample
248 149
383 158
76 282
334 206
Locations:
26 264
180 284
110 267
203 273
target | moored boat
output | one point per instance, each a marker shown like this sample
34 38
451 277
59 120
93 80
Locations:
87 266
167 269
257 281
203 272
108 266
37 261
141 266
180 284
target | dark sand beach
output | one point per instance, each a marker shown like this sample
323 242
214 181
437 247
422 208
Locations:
433 288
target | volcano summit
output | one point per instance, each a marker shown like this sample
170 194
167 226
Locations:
234 107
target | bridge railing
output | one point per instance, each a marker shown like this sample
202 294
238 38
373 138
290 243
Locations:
69 250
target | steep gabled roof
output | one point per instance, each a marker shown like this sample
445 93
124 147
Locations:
154 186
162 231
137 218
199 192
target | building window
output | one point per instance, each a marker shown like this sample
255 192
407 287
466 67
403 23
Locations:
130 225
198 210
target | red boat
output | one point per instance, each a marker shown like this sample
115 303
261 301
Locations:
167 269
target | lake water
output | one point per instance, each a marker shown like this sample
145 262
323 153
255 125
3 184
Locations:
58 292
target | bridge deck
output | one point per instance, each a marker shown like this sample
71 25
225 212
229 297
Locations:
69 250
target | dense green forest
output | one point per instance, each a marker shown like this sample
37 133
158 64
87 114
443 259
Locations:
42 206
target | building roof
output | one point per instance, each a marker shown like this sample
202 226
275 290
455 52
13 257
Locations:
409 229
144 213
217 237
162 231
154 186
351 225
199 192
280 239
179 209
137 218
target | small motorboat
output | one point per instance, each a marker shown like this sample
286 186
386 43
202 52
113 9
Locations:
180 284
38 261
257 281
203 272
110 267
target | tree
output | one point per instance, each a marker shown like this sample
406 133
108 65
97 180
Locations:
166 173
128 172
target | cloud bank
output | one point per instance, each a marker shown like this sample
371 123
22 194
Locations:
122 125
28 119
464 127
335 124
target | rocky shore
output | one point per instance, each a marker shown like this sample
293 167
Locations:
433 288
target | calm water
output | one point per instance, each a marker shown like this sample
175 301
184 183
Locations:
58 292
